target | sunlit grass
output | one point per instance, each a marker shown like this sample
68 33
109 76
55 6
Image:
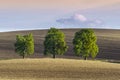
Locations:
35 69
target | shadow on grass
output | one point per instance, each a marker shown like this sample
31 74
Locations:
114 61
109 60
67 57
8 58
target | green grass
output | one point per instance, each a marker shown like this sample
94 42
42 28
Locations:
62 69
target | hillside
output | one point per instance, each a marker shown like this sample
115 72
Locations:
108 41
58 69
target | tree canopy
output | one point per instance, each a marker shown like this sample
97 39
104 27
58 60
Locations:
85 43
24 45
55 42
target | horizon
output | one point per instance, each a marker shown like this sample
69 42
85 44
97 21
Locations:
57 28
42 14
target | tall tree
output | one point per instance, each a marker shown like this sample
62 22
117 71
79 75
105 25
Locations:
85 43
55 42
24 45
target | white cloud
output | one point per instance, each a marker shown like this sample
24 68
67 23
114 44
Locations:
81 21
79 17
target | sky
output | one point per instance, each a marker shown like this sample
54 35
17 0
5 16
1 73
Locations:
43 14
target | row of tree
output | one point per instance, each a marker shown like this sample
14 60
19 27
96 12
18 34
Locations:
84 43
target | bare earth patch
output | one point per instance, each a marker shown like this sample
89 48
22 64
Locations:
108 42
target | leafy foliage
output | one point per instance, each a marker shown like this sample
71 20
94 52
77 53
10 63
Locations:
24 45
85 43
55 42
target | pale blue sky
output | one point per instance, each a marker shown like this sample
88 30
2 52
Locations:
102 16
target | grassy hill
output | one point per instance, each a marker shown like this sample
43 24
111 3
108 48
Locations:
58 69
108 41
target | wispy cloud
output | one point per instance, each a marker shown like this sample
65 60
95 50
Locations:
81 20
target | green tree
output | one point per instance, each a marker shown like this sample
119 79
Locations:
85 43
55 43
24 45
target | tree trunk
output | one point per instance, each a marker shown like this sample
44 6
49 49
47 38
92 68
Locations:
23 56
85 58
54 55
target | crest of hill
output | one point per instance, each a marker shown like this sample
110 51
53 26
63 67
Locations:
108 42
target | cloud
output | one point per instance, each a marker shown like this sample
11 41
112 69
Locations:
81 20
79 17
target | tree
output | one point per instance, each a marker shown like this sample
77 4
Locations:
85 43
55 43
24 45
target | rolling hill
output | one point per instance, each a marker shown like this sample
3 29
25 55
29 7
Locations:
58 69
108 41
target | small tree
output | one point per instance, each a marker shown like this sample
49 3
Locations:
24 45
55 42
85 43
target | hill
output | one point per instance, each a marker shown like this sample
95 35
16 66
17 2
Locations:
108 41
60 69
